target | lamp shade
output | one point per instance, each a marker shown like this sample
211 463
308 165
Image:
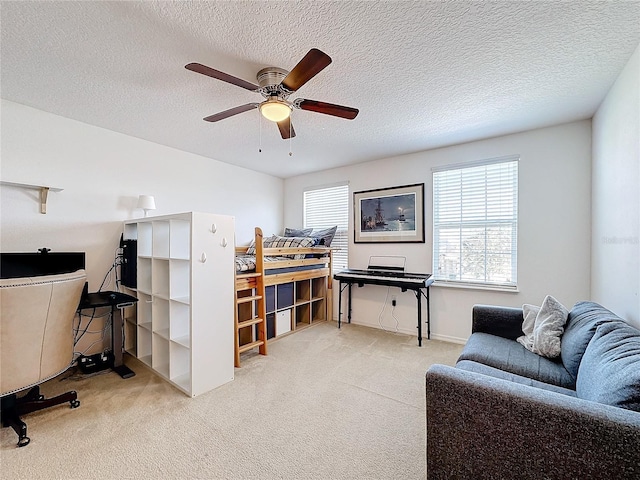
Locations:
146 202
275 110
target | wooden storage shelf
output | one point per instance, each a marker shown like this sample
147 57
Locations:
303 313
318 311
318 288
307 306
303 291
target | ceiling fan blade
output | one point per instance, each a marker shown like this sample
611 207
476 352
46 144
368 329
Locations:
327 108
286 128
225 77
231 112
307 68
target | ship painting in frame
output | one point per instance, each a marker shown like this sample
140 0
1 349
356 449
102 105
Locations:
389 215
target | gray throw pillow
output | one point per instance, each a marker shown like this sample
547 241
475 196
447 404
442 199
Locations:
610 368
529 312
325 236
548 328
297 232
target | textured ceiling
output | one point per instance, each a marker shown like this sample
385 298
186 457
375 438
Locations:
423 74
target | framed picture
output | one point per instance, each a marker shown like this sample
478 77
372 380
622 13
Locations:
389 215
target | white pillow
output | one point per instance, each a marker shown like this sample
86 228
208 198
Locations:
549 327
529 312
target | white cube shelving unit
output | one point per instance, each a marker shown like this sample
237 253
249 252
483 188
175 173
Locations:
183 324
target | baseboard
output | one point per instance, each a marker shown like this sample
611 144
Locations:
413 332
448 338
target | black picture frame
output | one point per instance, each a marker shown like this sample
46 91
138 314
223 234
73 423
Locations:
389 215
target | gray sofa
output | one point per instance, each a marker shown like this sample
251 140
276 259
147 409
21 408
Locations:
504 412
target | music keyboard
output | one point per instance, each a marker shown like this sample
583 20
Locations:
385 278
418 283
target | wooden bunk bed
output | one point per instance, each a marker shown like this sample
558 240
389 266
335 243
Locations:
278 292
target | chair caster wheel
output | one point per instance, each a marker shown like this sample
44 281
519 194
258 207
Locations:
23 441
75 403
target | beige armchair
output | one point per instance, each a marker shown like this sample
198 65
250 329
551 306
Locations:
36 342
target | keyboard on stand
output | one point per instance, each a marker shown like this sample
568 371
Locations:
417 282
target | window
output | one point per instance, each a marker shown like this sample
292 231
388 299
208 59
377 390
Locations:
475 223
325 208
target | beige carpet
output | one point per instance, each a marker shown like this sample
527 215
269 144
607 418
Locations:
325 404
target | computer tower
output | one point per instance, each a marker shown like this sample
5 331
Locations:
128 270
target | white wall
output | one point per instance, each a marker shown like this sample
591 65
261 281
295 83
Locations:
616 196
554 228
102 173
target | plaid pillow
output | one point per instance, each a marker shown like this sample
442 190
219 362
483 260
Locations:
252 246
245 263
291 242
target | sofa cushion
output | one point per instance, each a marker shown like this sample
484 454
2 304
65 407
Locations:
475 367
610 368
510 356
583 320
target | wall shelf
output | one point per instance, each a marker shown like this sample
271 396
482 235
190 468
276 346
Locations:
44 191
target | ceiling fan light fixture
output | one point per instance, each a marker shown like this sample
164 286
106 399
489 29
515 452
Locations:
275 110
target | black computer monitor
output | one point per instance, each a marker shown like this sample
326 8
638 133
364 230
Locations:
17 265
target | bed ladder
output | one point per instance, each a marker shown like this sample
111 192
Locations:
249 299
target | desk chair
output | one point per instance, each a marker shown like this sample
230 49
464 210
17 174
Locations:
36 342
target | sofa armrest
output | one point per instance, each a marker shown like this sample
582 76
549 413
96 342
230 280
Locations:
481 427
501 321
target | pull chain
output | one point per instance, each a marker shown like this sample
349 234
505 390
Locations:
260 129
290 152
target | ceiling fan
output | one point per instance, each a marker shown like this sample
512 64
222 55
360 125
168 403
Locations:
275 85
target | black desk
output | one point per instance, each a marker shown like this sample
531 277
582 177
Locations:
116 301
362 277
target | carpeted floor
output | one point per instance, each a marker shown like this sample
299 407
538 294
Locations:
324 404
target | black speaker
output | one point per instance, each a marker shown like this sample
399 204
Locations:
128 269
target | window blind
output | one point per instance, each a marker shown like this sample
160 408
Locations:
475 223
325 208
